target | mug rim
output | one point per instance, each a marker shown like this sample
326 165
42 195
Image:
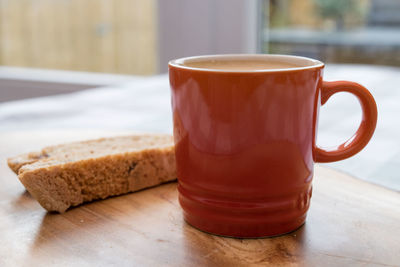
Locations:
314 63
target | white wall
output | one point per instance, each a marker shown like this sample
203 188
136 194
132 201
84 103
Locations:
200 27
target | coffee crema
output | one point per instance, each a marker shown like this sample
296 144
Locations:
240 65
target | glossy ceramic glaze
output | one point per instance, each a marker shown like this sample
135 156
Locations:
245 144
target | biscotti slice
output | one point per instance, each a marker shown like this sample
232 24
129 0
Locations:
67 175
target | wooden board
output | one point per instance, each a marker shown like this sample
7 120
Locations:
350 222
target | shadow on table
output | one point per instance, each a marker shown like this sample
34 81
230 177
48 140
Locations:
103 220
206 249
22 199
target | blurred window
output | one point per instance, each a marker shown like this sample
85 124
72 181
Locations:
341 31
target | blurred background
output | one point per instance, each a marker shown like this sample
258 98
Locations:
340 31
139 37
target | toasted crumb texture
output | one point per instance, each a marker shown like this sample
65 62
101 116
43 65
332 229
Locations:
17 162
68 175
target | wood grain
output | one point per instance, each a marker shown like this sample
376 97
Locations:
350 223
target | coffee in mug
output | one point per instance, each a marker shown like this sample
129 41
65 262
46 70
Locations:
241 64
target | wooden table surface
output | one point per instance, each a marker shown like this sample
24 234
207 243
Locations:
350 222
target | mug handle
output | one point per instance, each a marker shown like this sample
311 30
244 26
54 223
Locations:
367 126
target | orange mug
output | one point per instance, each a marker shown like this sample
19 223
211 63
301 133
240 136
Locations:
245 140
